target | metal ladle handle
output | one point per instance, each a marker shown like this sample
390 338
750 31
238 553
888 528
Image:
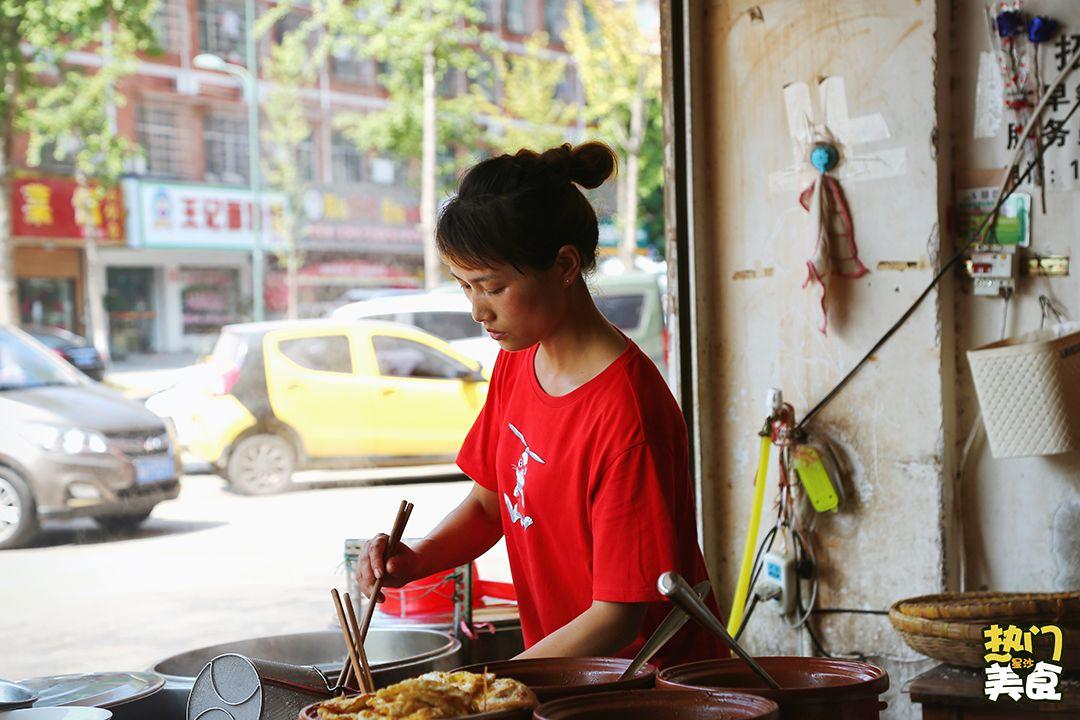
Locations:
672 585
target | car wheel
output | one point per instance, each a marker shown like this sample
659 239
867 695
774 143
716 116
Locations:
122 523
260 465
18 513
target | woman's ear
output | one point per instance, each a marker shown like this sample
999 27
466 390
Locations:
568 264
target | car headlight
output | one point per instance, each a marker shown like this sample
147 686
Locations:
71 441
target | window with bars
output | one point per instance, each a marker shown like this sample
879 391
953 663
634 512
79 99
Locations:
225 139
346 161
63 165
490 8
159 129
222 29
168 25
346 67
516 21
555 19
305 158
484 80
450 83
567 87
286 25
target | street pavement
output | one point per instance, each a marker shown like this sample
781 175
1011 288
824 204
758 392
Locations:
206 568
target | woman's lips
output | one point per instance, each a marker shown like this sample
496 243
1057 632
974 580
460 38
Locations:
496 335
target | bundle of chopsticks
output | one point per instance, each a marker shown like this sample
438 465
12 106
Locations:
356 633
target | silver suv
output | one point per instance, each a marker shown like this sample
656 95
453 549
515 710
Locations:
70 447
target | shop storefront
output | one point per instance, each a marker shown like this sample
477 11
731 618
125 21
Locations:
367 239
51 217
186 271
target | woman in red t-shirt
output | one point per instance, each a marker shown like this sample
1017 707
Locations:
579 456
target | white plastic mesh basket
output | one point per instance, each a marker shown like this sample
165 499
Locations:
1029 391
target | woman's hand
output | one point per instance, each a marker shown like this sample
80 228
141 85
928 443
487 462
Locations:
399 569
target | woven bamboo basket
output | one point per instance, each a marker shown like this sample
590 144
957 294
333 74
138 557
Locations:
950 627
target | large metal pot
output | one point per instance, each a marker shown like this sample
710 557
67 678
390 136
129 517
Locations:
394 653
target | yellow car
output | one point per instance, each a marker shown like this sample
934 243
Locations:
330 394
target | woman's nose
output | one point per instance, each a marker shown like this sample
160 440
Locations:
480 311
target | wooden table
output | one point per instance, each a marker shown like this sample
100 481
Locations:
947 692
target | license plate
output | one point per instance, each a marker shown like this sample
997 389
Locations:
154 469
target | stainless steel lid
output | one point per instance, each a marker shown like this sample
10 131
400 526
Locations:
385 647
102 690
14 697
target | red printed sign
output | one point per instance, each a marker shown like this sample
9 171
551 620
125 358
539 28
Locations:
59 208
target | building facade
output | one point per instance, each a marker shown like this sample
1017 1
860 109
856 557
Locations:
177 262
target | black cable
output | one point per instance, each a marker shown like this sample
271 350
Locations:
975 236
746 617
763 547
852 611
814 639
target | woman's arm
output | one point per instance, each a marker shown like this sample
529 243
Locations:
465 534
602 630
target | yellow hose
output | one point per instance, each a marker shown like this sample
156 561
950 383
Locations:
751 537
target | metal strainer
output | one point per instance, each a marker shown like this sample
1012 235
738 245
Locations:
234 687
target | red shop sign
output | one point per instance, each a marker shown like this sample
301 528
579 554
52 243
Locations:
59 208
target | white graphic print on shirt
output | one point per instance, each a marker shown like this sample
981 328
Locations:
517 509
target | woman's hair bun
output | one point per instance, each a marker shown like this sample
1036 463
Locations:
588 164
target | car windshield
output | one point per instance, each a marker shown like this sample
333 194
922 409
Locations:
229 350
623 310
25 365
57 338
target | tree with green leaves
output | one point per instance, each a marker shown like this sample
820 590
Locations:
286 131
67 107
530 115
619 65
418 44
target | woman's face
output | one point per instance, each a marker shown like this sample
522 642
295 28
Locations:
517 310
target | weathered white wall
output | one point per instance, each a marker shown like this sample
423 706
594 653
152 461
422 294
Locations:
1011 507
758 326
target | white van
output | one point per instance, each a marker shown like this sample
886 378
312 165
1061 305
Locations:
445 315
631 301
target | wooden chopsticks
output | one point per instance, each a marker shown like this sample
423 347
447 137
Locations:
355 635
355 647
404 511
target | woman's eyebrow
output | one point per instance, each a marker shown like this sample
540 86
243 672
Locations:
482 278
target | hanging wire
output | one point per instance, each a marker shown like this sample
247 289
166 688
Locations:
1005 312
1008 187
1048 307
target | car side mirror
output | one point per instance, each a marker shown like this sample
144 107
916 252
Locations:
471 376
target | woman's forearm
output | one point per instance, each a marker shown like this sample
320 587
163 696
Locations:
602 630
469 531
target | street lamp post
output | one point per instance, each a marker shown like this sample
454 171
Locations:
249 78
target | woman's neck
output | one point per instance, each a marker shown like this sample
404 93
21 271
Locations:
583 345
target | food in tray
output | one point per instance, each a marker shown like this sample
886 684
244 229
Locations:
433 695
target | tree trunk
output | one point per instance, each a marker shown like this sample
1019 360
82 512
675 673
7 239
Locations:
429 171
9 305
98 332
292 279
628 244
95 299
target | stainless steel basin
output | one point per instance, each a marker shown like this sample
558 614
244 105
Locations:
394 653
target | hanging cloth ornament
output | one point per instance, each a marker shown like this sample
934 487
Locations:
834 248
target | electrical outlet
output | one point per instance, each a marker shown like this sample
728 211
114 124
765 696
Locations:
778 582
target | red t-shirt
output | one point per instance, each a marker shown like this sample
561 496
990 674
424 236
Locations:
594 492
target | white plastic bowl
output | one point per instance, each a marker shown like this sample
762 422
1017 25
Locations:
57 713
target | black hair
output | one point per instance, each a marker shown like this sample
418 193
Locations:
520 209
